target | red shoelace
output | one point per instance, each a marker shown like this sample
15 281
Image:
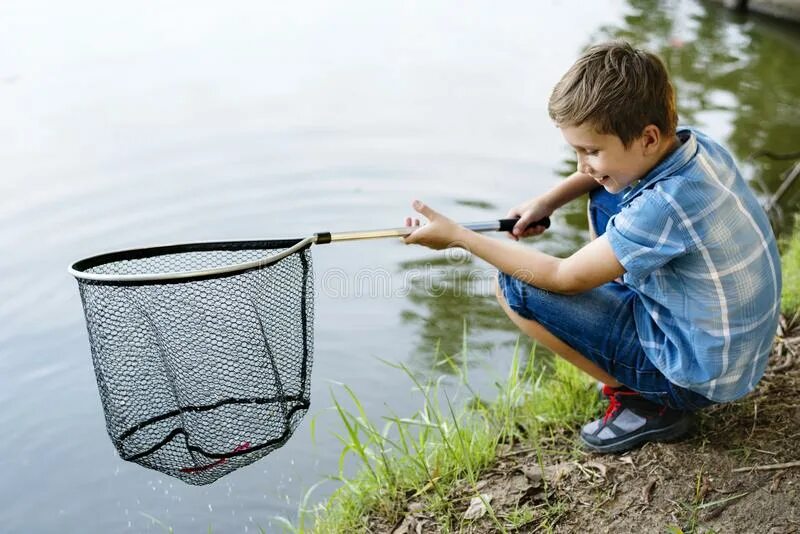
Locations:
614 405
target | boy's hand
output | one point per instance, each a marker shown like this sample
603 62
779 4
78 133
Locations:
533 210
440 232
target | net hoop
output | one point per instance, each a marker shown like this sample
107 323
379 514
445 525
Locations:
80 268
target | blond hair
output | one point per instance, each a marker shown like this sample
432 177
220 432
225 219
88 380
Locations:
618 90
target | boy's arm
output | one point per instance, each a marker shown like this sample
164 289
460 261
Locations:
542 206
575 185
589 267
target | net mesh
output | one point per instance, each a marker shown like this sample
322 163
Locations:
202 376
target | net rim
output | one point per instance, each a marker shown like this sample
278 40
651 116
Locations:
78 268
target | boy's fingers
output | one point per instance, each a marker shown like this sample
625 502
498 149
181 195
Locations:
535 229
420 207
521 227
528 232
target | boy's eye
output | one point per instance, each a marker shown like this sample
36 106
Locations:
591 152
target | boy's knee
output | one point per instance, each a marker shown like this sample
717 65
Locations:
499 293
508 308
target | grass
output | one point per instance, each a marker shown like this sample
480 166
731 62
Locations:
421 458
790 261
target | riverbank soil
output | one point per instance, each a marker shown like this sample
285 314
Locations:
738 472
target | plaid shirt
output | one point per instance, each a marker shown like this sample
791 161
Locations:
699 252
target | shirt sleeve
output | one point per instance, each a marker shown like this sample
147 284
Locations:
646 235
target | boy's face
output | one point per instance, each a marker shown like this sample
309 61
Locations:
605 158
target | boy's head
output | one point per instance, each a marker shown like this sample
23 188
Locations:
616 98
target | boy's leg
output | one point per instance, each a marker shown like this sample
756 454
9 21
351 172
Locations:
596 331
536 331
601 207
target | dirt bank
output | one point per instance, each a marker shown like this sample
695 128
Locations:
739 472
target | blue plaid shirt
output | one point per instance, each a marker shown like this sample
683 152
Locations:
699 252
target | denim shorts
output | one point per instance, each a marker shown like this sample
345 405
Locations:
600 325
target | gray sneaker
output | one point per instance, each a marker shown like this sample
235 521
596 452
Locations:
630 421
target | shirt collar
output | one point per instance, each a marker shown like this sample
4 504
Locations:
666 167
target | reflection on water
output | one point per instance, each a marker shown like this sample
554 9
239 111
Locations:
452 299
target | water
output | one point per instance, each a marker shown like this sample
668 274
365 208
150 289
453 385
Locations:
127 126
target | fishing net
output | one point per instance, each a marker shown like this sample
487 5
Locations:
202 374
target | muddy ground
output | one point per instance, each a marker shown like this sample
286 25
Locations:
739 472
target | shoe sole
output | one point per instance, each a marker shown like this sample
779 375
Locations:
675 431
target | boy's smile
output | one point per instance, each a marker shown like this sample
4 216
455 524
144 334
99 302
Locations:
609 162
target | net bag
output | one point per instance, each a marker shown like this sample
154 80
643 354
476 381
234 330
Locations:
202 352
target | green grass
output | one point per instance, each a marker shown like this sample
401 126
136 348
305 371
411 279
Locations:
422 457
790 261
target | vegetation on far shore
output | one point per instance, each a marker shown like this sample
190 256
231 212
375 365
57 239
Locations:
440 470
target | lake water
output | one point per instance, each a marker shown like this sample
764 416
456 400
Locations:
128 124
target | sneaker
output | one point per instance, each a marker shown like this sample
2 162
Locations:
631 420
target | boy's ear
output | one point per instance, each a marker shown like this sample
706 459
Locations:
651 139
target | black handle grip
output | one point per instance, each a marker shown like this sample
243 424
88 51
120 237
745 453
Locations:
506 225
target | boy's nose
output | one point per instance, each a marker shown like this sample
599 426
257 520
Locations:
583 167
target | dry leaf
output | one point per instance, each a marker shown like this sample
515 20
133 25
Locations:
601 467
552 473
555 473
477 508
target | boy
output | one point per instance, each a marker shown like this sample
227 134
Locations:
674 303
